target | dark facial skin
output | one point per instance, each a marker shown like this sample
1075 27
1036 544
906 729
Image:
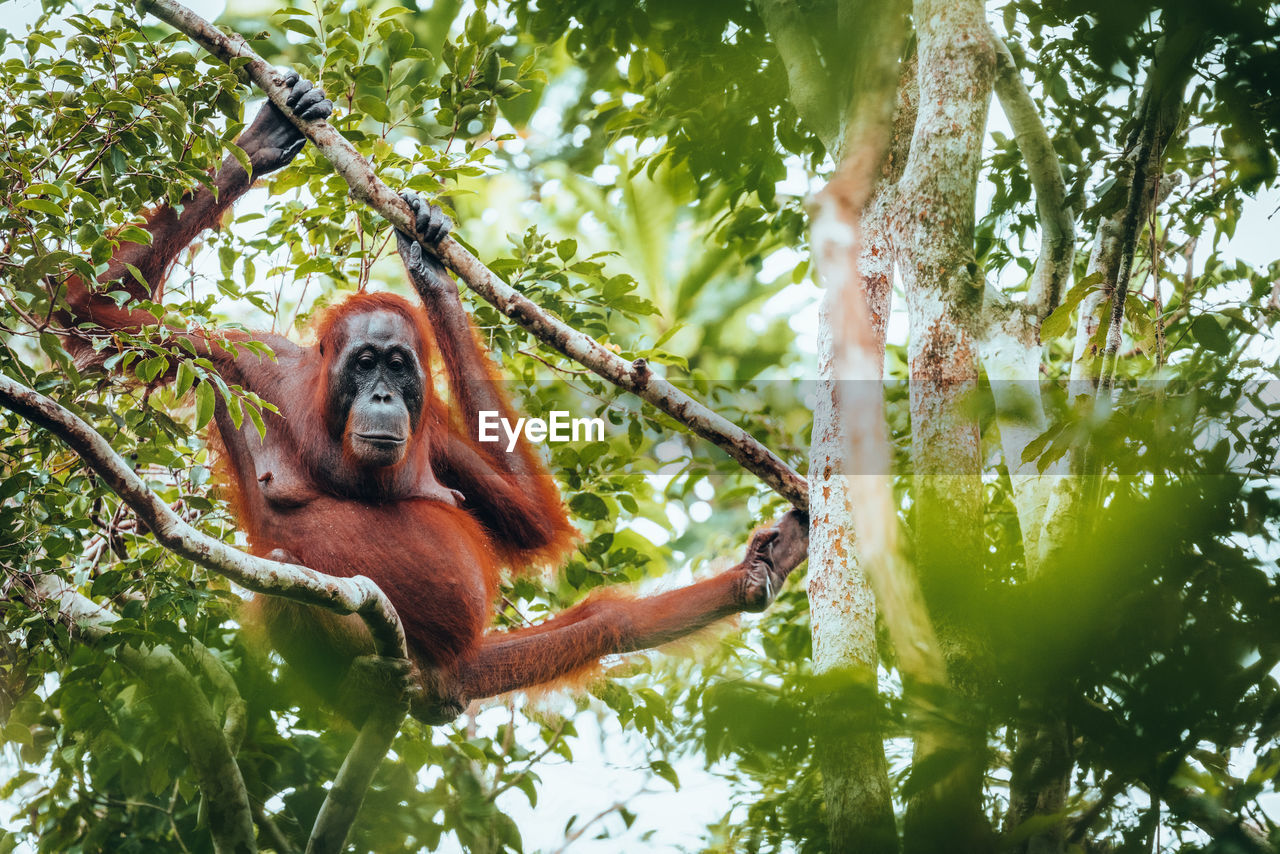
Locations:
376 386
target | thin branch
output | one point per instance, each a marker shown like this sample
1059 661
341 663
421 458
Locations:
1057 220
581 830
271 831
529 765
1161 111
635 377
1157 298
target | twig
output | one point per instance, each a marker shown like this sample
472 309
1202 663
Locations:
581 829
552 366
271 831
365 186
529 765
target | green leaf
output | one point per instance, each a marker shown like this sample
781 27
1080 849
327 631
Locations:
300 27
43 206
52 346
617 287
137 274
1036 446
588 505
241 157
492 68
399 42
1059 319
234 409
477 26
185 379
1210 334
43 189
374 108
255 415
636 69
149 369
134 234
664 770
204 404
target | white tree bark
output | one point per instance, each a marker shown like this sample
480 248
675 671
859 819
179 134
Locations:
841 603
1011 346
842 607
851 459
857 362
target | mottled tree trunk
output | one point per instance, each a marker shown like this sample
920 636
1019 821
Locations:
934 231
842 69
843 614
841 601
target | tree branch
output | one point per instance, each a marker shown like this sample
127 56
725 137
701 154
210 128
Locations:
1162 108
329 833
1137 182
1159 111
1011 346
215 671
635 377
1057 220
267 828
357 595
1224 826
173 688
